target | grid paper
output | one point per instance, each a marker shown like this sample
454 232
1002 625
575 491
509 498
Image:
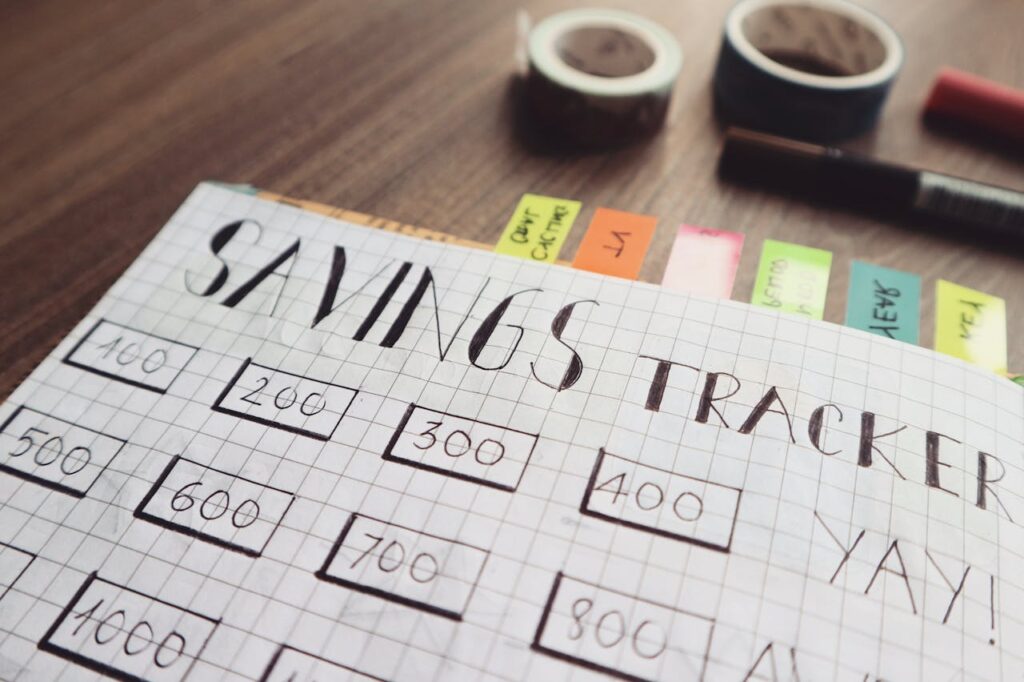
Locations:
532 473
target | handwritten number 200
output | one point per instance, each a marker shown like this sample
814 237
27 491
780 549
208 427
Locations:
216 505
487 452
610 629
287 397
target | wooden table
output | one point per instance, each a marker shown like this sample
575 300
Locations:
112 112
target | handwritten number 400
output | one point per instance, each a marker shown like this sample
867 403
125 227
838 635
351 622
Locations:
649 496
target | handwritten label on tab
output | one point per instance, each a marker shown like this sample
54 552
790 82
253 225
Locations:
538 228
615 243
792 278
703 261
970 325
883 301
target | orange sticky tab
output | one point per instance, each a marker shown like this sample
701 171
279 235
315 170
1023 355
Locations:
615 243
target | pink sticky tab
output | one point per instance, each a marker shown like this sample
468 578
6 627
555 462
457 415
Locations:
703 261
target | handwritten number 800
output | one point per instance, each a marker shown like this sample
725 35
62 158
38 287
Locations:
610 629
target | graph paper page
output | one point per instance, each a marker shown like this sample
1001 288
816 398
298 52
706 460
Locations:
283 447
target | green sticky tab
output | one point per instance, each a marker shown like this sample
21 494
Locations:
792 278
538 228
1018 379
883 301
970 325
236 187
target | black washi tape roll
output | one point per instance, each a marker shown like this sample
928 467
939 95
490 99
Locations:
601 77
814 69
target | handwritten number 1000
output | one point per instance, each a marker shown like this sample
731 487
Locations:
167 651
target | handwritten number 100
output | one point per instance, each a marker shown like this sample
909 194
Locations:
611 629
173 645
216 505
131 352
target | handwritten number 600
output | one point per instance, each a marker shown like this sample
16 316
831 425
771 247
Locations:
216 505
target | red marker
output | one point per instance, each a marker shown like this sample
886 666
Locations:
977 101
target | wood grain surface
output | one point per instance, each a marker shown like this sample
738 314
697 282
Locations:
112 111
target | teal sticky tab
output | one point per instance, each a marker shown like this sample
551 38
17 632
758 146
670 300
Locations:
884 301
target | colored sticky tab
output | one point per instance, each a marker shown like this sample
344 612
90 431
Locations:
703 261
970 325
792 278
538 228
883 301
615 243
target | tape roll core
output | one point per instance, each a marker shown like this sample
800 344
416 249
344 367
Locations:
817 69
600 77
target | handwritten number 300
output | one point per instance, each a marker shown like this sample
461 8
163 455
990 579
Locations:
487 452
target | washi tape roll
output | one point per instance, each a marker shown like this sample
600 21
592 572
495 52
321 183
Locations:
601 77
814 69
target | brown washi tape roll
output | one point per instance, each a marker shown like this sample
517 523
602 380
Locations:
601 77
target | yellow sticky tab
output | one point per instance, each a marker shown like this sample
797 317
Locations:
970 325
538 228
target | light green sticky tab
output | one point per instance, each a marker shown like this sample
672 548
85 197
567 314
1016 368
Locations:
538 228
970 325
239 187
792 278
884 301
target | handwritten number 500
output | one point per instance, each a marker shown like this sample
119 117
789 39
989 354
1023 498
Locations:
52 449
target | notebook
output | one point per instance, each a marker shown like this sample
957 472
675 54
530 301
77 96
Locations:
287 447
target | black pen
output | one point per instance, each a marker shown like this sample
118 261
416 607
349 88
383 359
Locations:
859 181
